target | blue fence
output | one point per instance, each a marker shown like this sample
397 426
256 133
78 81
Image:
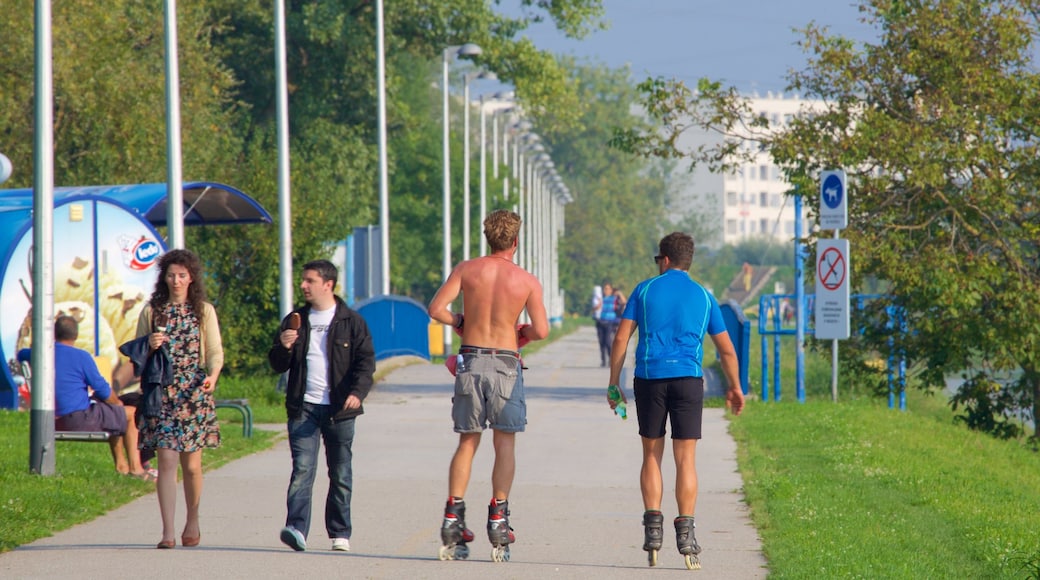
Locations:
399 326
778 315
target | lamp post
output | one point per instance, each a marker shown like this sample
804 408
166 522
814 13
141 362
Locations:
468 49
384 186
498 105
538 158
174 189
466 79
523 189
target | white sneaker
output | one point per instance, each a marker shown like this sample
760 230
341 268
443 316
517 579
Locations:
292 537
340 544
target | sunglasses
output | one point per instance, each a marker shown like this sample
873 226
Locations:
657 259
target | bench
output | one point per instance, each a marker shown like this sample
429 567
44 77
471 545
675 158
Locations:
242 406
87 436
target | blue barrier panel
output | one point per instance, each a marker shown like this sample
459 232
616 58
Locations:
739 329
399 326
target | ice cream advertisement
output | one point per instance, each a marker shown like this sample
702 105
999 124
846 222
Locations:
104 268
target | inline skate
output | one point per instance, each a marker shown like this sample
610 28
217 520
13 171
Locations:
653 533
500 534
454 535
686 542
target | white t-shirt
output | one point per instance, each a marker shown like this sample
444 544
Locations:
317 359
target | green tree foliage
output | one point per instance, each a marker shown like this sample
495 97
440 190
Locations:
109 94
620 202
938 128
110 125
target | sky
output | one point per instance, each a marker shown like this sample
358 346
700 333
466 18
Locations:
748 44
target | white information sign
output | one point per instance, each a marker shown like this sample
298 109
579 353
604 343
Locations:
834 200
832 289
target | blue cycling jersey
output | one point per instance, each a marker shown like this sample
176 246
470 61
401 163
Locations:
674 314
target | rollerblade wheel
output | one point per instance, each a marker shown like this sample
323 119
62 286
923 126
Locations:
692 562
500 554
651 556
461 552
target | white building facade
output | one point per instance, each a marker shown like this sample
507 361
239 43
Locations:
749 202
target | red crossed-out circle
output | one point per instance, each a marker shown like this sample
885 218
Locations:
831 262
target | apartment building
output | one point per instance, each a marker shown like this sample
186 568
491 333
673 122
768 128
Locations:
748 202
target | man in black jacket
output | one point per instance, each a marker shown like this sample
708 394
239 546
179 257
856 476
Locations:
327 349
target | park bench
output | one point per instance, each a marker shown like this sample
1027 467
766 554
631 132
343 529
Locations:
85 436
240 405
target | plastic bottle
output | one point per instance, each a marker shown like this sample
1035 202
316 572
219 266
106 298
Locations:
615 395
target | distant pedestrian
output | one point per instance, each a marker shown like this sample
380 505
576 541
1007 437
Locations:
607 324
673 314
327 349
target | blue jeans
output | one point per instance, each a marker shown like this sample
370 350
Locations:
338 437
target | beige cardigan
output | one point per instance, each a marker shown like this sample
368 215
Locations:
212 356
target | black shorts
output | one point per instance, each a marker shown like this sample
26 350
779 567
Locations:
681 399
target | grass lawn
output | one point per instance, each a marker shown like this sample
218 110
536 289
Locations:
85 483
858 490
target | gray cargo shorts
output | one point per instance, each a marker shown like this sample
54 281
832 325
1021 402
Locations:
489 390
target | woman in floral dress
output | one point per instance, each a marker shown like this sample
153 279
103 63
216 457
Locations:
178 318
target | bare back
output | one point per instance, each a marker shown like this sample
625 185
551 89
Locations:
495 292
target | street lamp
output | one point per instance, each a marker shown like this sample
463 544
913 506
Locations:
506 96
467 49
523 187
465 155
498 105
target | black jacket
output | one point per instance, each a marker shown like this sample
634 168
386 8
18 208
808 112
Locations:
351 360
155 370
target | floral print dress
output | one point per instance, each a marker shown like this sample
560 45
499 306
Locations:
188 418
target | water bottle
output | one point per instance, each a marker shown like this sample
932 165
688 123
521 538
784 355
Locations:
614 393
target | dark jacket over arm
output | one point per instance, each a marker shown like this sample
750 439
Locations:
351 360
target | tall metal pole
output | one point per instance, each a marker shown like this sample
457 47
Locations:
384 187
446 202
483 172
834 355
799 298
41 419
285 266
465 168
174 187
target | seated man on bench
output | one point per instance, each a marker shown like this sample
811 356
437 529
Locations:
75 372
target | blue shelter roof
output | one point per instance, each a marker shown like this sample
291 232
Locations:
205 203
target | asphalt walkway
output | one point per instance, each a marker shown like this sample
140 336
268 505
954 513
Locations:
575 502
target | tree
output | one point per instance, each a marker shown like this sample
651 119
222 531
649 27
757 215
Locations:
938 128
620 208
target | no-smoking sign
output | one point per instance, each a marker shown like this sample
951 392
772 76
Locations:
831 310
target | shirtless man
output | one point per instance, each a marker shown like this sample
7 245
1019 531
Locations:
489 385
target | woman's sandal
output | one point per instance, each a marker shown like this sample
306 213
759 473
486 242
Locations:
146 476
166 545
191 542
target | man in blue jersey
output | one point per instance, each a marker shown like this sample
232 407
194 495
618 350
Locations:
673 314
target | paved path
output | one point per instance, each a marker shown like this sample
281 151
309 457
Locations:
575 502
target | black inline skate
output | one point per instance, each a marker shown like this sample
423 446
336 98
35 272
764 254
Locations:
500 534
653 534
686 542
454 535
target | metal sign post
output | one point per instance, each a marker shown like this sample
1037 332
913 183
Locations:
832 269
